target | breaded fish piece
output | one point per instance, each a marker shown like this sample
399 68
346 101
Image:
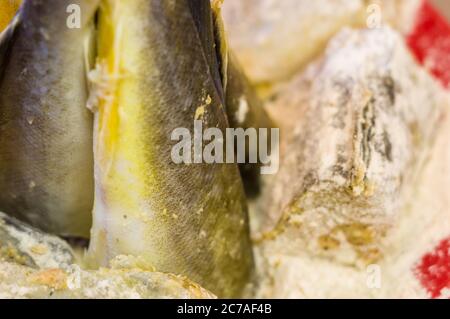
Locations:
21 282
25 245
275 39
362 136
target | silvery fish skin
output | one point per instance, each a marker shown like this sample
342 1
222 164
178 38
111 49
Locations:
24 245
156 72
46 157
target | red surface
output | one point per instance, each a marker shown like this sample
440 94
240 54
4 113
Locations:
434 269
430 42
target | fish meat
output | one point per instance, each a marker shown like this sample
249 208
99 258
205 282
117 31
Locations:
157 70
46 148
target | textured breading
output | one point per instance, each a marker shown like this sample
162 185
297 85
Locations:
23 282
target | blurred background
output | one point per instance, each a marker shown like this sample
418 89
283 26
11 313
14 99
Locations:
444 5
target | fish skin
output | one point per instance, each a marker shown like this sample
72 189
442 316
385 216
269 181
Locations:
238 91
153 74
46 157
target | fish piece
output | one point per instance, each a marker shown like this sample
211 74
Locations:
155 73
400 15
246 110
46 156
244 107
25 245
8 9
75 283
360 141
274 39
415 263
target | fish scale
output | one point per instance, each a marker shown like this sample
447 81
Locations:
151 78
46 160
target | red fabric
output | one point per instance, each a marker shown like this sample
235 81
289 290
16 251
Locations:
433 270
430 42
